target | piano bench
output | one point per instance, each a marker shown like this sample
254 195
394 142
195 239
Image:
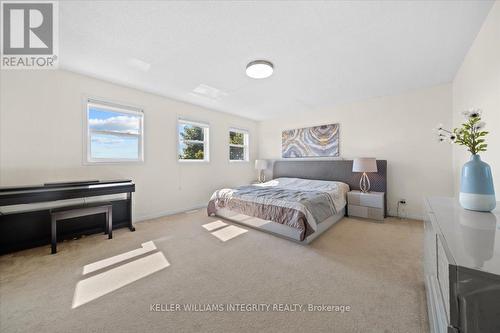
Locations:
68 212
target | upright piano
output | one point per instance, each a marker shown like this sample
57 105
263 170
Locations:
25 210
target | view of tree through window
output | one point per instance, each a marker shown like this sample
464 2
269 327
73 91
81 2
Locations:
238 142
192 141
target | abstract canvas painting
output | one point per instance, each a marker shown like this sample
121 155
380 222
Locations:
317 141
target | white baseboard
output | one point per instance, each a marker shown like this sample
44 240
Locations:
185 210
166 213
409 216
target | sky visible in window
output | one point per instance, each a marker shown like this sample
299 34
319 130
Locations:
106 144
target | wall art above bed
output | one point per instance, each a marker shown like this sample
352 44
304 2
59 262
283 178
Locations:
317 141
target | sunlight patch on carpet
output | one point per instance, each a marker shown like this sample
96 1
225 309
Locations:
99 285
214 225
115 278
228 233
95 266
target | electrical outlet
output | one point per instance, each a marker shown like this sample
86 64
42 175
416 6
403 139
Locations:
401 208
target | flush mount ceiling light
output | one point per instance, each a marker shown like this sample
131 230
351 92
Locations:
260 69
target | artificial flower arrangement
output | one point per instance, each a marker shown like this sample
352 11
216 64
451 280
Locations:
477 191
470 134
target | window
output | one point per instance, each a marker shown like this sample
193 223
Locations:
238 145
114 133
193 141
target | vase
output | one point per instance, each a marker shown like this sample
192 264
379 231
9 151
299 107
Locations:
476 186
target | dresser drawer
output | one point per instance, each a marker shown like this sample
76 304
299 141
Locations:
430 249
371 199
366 212
443 276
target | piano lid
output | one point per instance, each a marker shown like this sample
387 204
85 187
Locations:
62 185
61 191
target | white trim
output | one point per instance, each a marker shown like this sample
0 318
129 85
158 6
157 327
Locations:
238 130
391 212
119 107
193 141
89 102
189 161
192 122
238 161
409 216
130 135
148 217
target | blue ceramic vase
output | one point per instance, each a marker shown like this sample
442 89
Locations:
476 187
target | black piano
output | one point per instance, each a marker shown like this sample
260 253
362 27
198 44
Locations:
24 223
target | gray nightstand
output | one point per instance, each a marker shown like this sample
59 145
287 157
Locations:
368 205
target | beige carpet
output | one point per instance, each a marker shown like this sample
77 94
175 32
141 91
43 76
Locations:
373 268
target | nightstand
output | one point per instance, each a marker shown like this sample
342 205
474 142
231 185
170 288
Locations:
369 205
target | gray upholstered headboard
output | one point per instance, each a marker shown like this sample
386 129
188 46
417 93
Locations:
338 170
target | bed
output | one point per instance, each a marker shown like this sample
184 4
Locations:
302 201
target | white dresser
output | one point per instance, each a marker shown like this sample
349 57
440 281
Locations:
461 267
369 205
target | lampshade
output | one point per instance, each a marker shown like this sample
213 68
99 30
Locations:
364 164
260 164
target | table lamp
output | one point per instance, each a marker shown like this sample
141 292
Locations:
364 165
261 165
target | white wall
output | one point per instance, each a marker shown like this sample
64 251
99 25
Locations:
477 84
41 134
41 140
396 128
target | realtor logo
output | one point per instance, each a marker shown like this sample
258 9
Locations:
29 31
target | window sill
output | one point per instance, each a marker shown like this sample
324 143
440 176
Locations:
113 162
193 161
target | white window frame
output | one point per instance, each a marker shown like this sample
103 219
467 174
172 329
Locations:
205 142
245 145
113 107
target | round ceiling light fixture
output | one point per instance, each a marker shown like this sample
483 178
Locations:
260 69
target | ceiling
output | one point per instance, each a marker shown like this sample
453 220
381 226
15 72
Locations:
324 53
